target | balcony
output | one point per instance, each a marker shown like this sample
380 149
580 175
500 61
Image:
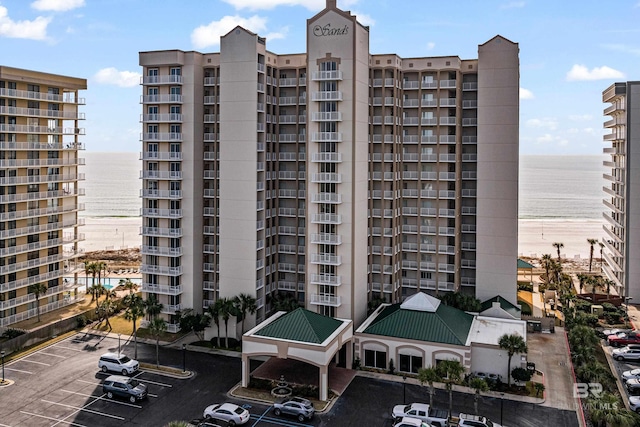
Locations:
326 157
332 116
158 269
161 99
172 175
326 75
469 122
161 289
211 81
332 301
161 194
326 239
159 80
40 129
326 137
326 259
447 84
36 112
334 178
326 279
160 155
334 95
67 98
161 232
470 86
326 198
447 121
161 250
326 218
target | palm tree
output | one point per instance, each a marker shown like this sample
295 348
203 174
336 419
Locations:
214 311
594 372
128 285
100 267
157 327
135 310
558 246
88 269
512 343
451 373
601 260
178 424
244 304
604 410
152 306
592 242
37 289
226 311
479 385
582 278
428 375
546 263
96 291
106 309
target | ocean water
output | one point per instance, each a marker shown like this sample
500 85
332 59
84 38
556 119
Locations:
551 187
112 185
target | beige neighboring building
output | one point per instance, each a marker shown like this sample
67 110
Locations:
39 145
622 208
334 176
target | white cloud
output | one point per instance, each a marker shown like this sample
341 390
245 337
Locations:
34 30
548 139
618 47
431 45
270 4
365 19
545 123
526 94
580 72
275 35
111 76
57 5
209 35
512 5
580 117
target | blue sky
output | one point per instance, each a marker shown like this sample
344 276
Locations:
569 51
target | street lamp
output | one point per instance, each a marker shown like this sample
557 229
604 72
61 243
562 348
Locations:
184 358
501 406
404 388
2 354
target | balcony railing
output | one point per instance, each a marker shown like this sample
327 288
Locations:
160 99
327 259
67 98
37 112
326 279
162 79
161 289
334 95
326 75
332 301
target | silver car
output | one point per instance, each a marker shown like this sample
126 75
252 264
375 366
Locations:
634 373
626 354
296 406
634 403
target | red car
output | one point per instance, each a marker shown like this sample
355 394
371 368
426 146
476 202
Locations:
632 337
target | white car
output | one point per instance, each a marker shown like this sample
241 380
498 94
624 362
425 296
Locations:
229 412
634 403
411 422
117 363
626 353
468 420
634 373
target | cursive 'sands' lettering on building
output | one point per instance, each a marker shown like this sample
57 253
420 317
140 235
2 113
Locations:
327 30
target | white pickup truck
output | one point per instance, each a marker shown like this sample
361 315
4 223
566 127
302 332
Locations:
422 411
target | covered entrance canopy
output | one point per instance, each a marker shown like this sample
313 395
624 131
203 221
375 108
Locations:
301 335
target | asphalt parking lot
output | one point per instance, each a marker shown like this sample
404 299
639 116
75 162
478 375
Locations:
60 385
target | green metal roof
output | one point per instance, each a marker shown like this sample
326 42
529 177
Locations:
446 325
524 264
301 325
513 310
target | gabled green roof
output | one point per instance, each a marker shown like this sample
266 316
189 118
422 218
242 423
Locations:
301 325
513 310
524 264
445 325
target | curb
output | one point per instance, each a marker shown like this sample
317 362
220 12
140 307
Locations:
328 405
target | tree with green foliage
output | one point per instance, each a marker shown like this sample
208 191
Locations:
450 371
428 375
134 310
521 375
152 306
178 424
606 410
192 321
37 289
213 311
479 385
227 309
592 243
462 301
512 343
104 310
546 264
558 246
539 388
157 327
128 285
284 302
96 290
244 304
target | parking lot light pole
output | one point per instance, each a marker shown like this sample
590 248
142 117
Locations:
501 406
184 358
2 353
404 388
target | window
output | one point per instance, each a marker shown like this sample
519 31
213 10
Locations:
152 72
375 359
410 363
176 71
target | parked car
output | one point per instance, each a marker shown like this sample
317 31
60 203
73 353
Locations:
411 422
121 386
422 411
117 363
615 331
229 412
297 406
634 403
633 385
200 422
632 337
626 354
634 373
468 420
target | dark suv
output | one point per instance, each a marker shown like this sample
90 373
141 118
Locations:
295 406
121 386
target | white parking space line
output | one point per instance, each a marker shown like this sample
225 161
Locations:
52 419
89 382
151 382
33 361
101 397
4 425
91 411
69 348
19 370
52 355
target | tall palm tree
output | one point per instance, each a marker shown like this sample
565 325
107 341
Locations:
558 246
450 371
157 327
592 243
512 343
479 385
105 310
128 285
214 311
428 375
88 269
134 311
37 289
244 304
546 264
152 307
226 311
97 290
582 279
601 260
101 267
605 411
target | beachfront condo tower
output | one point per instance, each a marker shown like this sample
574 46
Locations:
622 204
39 144
333 177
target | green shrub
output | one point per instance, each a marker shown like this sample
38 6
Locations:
12 333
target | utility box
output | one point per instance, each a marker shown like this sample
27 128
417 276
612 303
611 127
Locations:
597 310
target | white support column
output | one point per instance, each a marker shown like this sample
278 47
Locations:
349 354
246 374
324 383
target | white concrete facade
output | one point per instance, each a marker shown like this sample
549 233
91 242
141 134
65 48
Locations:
332 177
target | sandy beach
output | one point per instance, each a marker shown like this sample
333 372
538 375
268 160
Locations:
107 233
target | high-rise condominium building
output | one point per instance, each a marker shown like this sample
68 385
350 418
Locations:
333 176
622 227
39 143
